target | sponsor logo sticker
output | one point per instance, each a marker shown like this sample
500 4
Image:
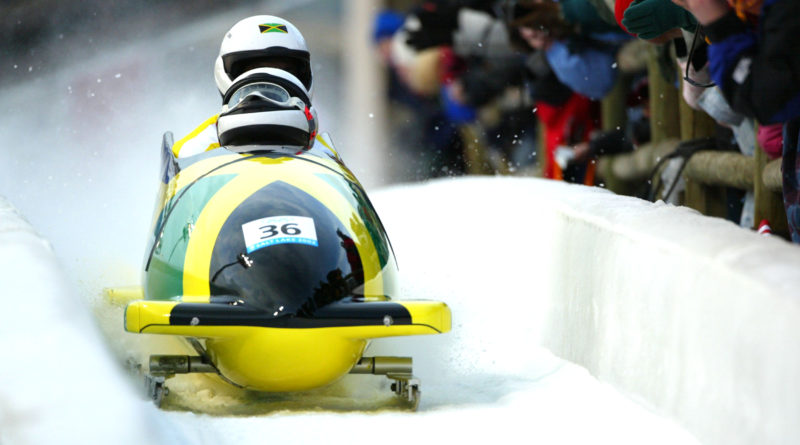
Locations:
275 230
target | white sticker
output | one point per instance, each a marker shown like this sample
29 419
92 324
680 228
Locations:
274 230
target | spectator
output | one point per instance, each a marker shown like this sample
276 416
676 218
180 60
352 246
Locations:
558 50
583 63
476 67
757 67
412 117
386 24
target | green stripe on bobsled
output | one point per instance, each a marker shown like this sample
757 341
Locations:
165 274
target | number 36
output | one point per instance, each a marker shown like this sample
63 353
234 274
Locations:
271 230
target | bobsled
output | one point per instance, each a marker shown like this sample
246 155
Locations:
274 266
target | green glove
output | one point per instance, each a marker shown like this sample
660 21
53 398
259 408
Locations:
650 18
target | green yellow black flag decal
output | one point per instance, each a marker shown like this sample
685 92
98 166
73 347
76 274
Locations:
272 27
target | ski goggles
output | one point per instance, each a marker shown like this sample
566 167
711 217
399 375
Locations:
265 91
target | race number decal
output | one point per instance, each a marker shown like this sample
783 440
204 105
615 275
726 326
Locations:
274 230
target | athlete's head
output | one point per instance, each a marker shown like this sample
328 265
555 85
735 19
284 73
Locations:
262 41
267 106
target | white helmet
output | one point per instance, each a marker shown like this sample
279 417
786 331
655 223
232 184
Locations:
262 41
267 106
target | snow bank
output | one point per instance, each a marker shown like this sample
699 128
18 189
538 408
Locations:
694 316
57 383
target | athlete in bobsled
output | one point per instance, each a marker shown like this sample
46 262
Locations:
266 254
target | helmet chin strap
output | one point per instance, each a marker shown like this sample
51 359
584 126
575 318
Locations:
312 122
312 126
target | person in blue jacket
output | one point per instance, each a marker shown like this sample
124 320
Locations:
579 46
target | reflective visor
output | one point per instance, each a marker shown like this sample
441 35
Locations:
264 90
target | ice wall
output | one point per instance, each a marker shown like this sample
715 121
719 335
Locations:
691 315
694 315
56 381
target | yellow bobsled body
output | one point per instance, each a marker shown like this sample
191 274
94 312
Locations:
275 265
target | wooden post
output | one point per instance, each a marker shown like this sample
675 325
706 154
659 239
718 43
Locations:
768 203
664 121
613 107
609 180
708 199
772 176
541 147
711 201
475 151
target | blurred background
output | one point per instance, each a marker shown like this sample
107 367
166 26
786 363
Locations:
82 70
408 90
88 88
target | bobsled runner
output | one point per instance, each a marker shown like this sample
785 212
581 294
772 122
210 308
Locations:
276 269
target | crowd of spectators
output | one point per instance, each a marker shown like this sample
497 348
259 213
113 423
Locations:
524 80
